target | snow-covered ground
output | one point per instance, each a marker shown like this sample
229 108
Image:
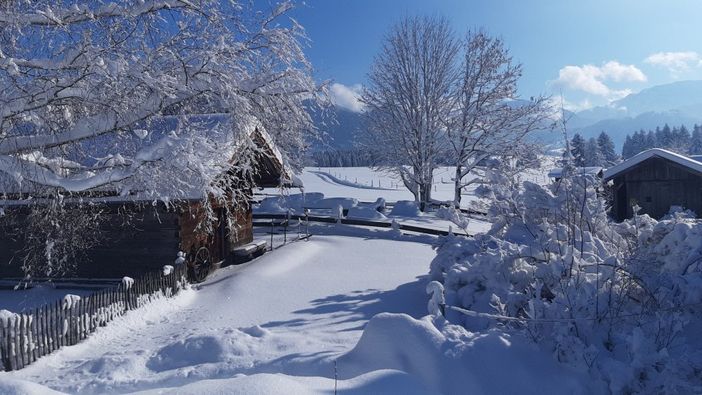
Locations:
344 311
362 186
366 184
283 313
290 322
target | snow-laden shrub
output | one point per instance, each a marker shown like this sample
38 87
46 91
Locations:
454 215
616 299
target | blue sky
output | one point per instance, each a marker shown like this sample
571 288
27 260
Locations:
592 51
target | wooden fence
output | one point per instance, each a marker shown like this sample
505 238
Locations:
349 221
28 336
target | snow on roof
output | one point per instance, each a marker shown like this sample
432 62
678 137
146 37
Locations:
148 136
592 170
682 160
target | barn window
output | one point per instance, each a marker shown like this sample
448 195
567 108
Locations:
648 199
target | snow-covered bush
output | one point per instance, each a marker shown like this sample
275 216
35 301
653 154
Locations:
616 299
454 215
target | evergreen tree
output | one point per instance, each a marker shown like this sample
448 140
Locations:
695 147
681 140
651 140
592 154
638 142
665 139
577 149
606 148
627 148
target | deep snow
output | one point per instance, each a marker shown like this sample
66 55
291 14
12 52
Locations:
283 313
279 323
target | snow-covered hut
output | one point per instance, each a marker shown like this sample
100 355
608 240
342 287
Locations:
157 230
655 180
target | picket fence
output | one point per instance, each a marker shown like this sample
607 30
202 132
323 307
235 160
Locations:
28 336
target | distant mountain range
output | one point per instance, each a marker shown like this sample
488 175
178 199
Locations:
339 129
678 103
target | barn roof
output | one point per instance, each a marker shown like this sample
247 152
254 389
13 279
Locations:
216 127
682 160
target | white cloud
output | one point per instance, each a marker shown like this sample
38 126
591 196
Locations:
675 62
584 78
592 79
347 97
617 72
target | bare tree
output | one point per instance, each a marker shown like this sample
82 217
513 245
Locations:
486 119
119 96
406 100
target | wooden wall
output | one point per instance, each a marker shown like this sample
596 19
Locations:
147 244
150 240
655 185
243 232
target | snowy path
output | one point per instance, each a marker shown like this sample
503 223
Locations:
289 312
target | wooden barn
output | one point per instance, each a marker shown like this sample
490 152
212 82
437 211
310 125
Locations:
155 232
655 180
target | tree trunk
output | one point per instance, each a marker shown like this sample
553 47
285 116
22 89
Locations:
425 202
412 187
457 188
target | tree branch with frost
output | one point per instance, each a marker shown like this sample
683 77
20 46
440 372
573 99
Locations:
77 14
90 88
406 100
484 119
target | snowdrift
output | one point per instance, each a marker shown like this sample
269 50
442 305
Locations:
21 387
448 359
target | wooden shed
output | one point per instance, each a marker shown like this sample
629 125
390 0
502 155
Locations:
655 180
156 232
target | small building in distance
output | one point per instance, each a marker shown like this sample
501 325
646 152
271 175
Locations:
655 180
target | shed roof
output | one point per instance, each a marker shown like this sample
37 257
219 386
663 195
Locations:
216 127
682 160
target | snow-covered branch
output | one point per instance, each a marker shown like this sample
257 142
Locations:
148 97
49 16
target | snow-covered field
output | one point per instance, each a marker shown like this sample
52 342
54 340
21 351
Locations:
361 186
278 324
366 184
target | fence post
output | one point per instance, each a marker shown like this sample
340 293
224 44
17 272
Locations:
272 222
4 351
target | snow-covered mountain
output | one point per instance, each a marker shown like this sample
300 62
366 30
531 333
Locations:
677 103
339 128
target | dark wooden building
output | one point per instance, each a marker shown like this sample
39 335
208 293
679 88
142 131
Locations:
655 180
155 233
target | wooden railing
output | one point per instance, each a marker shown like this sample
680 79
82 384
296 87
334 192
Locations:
28 336
349 221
